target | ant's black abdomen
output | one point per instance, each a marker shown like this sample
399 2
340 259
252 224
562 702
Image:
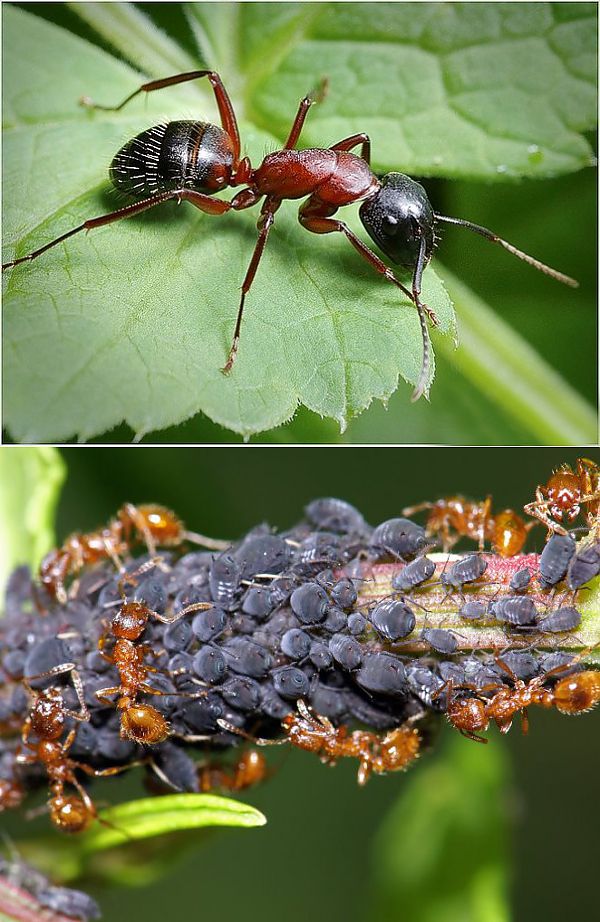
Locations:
176 155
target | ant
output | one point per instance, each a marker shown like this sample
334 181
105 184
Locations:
191 161
141 723
152 524
248 770
564 494
455 517
575 694
314 733
46 721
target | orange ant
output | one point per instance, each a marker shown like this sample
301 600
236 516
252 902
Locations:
564 494
575 694
455 517
141 723
248 770
46 720
314 733
154 525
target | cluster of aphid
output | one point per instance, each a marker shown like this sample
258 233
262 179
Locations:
26 887
113 660
190 161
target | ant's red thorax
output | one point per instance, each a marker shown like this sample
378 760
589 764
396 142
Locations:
336 176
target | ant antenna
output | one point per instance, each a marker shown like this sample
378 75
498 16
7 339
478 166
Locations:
489 235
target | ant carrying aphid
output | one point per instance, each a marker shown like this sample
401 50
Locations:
565 494
191 161
46 723
151 524
141 723
314 733
574 694
454 517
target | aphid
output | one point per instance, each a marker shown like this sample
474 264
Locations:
73 903
392 619
455 517
555 559
320 655
154 525
473 611
584 566
565 494
290 682
191 161
561 619
241 692
356 623
516 610
209 665
397 538
315 733
296 643
343 594
466 570
383 673
414 574
141 723
245 657
319 550
330 514
46 722
249 769
440 640
346 651
336 620
575 694
519 581
225 581
263 554
309 603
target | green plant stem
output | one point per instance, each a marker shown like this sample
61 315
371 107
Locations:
501 364
137 38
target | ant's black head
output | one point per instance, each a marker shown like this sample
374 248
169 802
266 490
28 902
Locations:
396 218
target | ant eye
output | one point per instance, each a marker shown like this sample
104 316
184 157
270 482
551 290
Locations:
389 224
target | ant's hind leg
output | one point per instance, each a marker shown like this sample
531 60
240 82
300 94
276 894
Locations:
203 202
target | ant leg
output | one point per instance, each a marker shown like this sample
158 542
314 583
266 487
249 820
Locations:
317 223
213 544
83 714
316 95
353 141
226 111
203 202
258 741
494 238
264 224
539 510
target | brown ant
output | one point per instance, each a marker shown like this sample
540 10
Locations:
248 770
191 161
314 733
564 495
46 721
154 525
455 517
141 723
575 694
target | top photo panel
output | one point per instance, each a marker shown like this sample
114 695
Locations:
300 223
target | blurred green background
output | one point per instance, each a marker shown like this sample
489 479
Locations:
411 846
555 219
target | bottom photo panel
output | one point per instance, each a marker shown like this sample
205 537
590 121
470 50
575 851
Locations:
364 662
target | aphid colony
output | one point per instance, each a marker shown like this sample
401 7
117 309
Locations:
169 659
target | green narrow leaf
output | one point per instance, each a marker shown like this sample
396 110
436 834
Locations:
155 816
443 852
133 322
30 483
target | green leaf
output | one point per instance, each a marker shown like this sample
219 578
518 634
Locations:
132 323
30 483
443 852
156 816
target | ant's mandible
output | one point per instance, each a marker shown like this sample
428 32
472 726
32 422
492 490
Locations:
191 161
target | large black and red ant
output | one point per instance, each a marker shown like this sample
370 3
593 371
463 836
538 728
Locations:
191 161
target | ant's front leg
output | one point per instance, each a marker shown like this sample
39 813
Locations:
354 140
